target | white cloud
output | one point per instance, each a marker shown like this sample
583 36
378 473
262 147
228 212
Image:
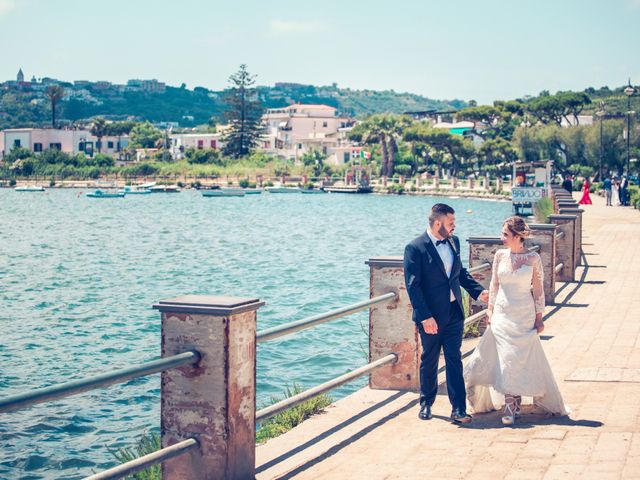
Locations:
296 26
6 6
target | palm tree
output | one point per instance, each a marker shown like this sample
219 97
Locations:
99 129
55 94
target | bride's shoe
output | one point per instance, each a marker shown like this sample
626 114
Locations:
510 411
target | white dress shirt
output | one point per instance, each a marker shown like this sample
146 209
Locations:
446 255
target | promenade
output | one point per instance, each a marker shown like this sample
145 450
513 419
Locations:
592 340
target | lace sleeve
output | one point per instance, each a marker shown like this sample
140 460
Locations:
537 283
495 281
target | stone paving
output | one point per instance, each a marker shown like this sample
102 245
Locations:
592 340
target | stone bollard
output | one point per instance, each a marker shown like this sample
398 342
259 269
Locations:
544 234
482 250
454 182
215 402
566 246
436 182
578 237
418 182
499 184
391 329
487 182
470 184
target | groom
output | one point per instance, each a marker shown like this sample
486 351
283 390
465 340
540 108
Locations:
433 275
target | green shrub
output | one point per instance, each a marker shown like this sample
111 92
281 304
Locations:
395 188
285 421
147 443
542 209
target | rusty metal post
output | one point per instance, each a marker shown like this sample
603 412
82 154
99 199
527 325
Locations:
391 329
544 235
216 401
566 246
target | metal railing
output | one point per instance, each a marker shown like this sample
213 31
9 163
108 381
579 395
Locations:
559 267
146 461
74 387
299 325
559 235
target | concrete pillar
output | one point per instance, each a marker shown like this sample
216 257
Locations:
215 402
454 182
566 246
487 182
436 182
482 250
470 183
391 328
544 234
499 184
577 212
418 182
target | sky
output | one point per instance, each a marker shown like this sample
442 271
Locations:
481 50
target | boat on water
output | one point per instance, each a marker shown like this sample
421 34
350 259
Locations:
222 192
283 189
136 190
102 194
30 188
165 189
348 189
246 191
308 191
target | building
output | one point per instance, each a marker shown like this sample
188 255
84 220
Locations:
297 129
69 141
181 142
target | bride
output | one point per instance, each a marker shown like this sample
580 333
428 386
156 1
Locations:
509 361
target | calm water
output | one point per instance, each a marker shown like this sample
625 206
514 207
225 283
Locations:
78 278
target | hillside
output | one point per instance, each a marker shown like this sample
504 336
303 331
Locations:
27 106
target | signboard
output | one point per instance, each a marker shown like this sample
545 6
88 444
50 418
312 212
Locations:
527 195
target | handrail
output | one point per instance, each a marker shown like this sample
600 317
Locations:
146 461
62 390
559 235
559 267
475 317
535 248
282 405
293 327
480 268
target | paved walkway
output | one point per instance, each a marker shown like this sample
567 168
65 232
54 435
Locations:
592 340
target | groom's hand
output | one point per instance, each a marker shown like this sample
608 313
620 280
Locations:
484 296
430 326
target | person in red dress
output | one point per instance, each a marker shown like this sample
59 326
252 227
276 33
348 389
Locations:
586 199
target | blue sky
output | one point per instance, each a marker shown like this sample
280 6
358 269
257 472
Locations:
483 50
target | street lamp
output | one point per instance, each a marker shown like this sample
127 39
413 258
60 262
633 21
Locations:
600 113
629 91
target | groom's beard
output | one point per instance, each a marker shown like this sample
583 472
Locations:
443 232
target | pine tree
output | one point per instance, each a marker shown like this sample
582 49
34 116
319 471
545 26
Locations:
244 115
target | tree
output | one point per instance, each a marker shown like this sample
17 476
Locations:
371 132
55 94
496 152
441 141
314 159
244 115
394 126
99 129
145 135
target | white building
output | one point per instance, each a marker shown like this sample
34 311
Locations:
69 141
294 130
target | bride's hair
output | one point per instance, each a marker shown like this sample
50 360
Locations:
518 227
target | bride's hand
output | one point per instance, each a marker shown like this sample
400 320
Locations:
489 313
539 325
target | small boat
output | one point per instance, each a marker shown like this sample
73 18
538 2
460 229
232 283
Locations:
252 191
165 189
311 191
30 188
282 189
136 190
348 189
102 194
221 192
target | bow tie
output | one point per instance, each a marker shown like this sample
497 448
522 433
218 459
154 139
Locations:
439 242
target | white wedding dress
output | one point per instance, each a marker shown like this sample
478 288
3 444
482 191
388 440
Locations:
509 358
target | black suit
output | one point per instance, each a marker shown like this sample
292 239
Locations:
429 290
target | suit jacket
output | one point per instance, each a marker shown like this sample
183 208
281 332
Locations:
427 283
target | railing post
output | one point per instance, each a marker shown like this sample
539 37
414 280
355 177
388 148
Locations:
544 235
391 329
482 250
566 246
214 401
578 213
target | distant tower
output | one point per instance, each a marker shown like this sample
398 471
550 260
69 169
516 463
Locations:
20 76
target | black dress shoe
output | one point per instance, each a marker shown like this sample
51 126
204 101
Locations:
460 416
425 412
